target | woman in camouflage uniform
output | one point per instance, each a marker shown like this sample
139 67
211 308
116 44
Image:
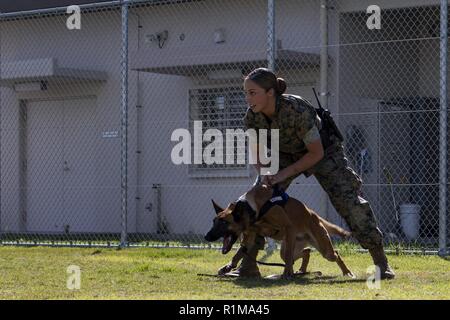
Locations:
301 152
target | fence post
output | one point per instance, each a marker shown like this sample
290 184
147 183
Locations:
124 124
1 226
443 131
271 47
323 94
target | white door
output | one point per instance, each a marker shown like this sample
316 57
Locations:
44 176
61 179
80 177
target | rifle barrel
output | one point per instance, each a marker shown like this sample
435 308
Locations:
318 101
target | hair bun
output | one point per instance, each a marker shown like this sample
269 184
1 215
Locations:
281 85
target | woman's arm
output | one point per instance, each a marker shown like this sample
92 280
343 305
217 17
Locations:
256 164
314 155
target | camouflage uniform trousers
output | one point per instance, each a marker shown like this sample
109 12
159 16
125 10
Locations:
343 186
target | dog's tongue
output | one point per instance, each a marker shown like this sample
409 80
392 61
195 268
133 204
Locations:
226 242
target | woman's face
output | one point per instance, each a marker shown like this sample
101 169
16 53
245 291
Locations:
257 98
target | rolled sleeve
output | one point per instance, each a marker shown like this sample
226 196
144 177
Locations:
305 126
311 136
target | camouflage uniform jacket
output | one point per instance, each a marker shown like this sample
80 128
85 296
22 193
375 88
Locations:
297 121
298 124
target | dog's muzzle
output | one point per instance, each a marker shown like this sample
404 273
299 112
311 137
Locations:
209 237
228 240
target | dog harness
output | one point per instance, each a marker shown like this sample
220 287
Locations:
279 198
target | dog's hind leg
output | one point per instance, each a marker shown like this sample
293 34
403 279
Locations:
333 256
320 239
287 253
341 264
299 252
305 260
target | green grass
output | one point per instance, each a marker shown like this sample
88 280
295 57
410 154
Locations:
145 273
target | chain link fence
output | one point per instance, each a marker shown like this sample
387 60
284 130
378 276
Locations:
93 115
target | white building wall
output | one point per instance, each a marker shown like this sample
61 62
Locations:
186 200
164 98
95 47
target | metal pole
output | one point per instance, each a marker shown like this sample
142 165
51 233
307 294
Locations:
324 53
443 146
271 56
124 125
61 10
271 48
323 94
1 112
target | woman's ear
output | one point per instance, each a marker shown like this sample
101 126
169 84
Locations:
271 92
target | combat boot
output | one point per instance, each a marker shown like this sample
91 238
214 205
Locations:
248 267
380 260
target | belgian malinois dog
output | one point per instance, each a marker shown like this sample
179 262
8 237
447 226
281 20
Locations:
296 225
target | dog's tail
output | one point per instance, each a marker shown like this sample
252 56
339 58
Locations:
334 229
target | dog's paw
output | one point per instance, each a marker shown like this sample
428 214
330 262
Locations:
274 277
225 269
288 275
350 275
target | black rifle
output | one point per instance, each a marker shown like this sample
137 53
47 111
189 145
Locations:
329 127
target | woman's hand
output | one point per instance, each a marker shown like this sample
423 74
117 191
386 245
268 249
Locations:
265 180
279 177
313 156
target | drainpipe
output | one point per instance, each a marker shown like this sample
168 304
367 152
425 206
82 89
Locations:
138 202
124 125
161 225
139 206
323 94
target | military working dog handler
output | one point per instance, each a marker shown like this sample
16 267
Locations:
301 152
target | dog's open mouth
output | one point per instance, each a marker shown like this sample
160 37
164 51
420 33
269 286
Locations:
228 241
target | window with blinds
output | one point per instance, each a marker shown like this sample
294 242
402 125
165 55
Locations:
218 108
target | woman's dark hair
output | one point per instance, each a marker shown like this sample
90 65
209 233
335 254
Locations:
267 80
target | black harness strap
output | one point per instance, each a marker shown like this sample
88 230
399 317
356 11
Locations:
277 193
269 205
282 196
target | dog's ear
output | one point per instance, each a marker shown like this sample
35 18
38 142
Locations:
216 207
238 211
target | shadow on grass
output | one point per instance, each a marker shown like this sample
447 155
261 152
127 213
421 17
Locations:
300 280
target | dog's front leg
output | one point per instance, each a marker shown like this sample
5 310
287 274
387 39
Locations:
289 253
234 262
247 241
